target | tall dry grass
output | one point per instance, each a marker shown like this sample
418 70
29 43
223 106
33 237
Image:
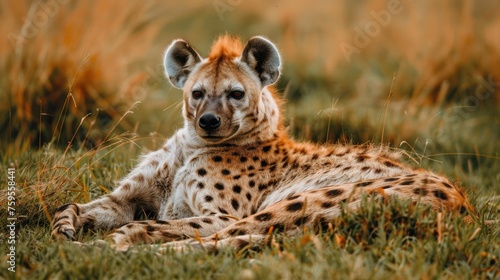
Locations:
64 61
97 56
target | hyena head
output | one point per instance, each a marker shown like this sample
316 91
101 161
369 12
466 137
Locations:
228 97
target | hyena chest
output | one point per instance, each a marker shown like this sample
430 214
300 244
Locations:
230 182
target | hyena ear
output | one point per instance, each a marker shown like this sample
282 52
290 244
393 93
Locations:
262 56
180 59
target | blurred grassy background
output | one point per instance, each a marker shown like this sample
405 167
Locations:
64 60
82 92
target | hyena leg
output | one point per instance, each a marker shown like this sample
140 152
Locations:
214 244
142 232
138 192
315 209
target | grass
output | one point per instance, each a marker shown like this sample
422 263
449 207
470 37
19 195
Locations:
80 104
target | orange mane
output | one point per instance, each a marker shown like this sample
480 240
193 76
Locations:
225 47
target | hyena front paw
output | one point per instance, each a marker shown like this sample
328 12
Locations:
63 224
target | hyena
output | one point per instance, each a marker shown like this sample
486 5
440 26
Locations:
232 173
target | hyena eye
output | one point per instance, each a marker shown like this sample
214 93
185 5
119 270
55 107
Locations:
237 94
197 94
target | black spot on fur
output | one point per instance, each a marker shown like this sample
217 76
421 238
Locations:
223 211
293 207
219 186
334 192
217 158
224 218
150 228
327 204
378 170
361 158
408 182
241 243
440 194
235 204
208 198
266 149
278 227
389 164
263 163
225 172
169 235
322 223
243 159
386 187
236 177
264 217
201 185
447 185
202 172
194 225
420 191
301 221
207 221
236 189
249 196
236 231
364 184
390 179
251 183
162 222
272 168
262 187
293 197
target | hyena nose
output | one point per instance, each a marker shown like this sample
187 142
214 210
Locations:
209 121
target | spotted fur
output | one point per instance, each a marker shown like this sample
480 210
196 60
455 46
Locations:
232 173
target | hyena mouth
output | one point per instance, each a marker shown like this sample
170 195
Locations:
214 138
